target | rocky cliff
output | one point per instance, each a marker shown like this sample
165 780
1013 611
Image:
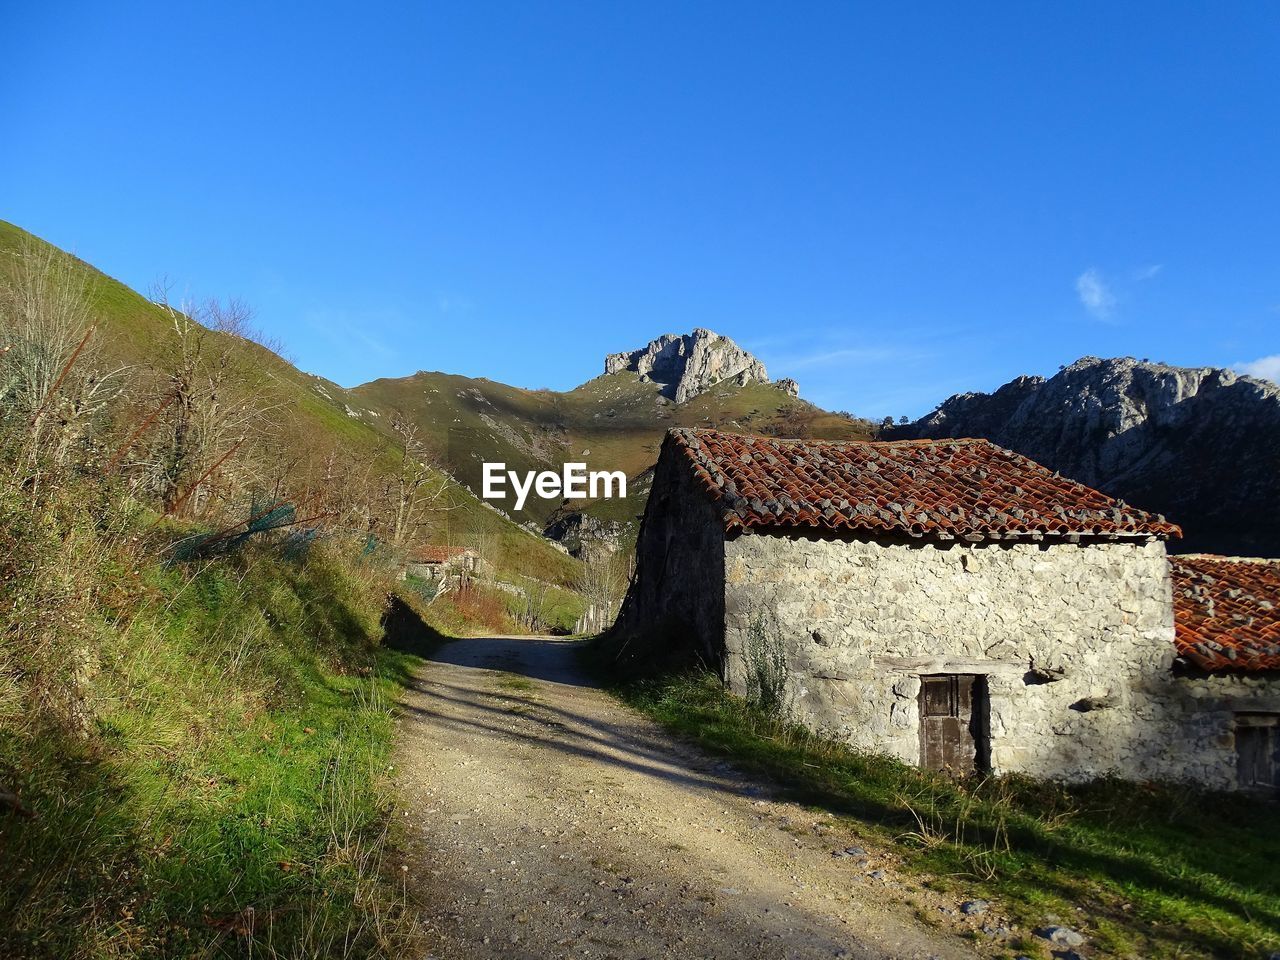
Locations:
686 365
1199 444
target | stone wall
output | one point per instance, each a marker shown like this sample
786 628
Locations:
1076 641
1204 708
674 607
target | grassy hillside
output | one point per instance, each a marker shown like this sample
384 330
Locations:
133 330
195 700
613 422
318 422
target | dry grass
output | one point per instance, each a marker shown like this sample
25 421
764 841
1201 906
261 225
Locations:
475 609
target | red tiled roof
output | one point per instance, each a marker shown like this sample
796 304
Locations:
1227 612
436 554
966 489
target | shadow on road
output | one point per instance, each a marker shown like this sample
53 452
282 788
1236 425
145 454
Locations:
569 721
538 658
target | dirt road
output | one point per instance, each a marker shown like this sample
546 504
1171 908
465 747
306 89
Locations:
547 820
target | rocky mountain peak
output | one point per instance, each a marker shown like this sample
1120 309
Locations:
1200 444
686 365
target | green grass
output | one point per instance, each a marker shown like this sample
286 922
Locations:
1158 871
514 683
229 796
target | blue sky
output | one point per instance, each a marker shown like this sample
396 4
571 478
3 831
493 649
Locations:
888 202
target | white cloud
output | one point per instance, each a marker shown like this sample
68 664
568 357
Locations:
1095 294
1266 368
1148 272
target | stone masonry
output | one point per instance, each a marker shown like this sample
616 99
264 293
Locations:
1072 638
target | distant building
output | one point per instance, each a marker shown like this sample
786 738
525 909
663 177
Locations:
438 562
947 602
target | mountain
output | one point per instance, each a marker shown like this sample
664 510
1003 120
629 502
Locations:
1198 444
615 421
690 364
1201 445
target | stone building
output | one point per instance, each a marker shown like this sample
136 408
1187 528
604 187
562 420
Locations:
440 562
1227 685
949 602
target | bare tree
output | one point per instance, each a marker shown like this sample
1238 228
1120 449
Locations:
602 582
416 492
327 484
214 404
51 387
532 615
235 319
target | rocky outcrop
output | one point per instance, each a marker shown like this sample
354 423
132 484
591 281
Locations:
1199 444
585 536
788 386
686 365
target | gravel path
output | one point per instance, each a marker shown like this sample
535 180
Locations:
545 819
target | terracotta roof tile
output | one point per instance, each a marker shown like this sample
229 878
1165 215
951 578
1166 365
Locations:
1227 612
947 489
436 554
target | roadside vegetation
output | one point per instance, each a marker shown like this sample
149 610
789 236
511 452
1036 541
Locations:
472 610
472 607
195 702
195 755
197 549
1155 871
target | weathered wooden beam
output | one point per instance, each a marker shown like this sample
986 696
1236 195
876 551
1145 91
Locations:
945 664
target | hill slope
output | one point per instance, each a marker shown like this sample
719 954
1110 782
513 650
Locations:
1199 444
316 420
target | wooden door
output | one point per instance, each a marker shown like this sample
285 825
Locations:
1258 750
952 723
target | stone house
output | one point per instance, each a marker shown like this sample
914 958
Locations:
438 562
950 603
